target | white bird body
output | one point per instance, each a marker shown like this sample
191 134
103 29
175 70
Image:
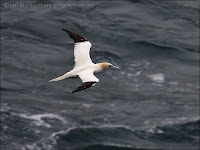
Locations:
85 72
84 68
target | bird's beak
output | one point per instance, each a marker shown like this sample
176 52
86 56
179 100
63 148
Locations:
115 67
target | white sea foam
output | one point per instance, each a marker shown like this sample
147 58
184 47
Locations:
154 130
168 122
86 105
4 107
178 120
173 83
38 119
159 77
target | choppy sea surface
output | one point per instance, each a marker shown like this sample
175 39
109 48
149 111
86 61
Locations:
151 103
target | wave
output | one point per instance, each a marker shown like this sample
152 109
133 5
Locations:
122 137
164 46
111 147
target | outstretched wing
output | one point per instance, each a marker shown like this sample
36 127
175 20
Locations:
87 76
84 86
77 38
81 49
88 79
82 54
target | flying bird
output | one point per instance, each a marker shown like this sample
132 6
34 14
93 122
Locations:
84 68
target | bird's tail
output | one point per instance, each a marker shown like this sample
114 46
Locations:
67 75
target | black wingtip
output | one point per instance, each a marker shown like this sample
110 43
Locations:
73 91
84 86
77 38
65 30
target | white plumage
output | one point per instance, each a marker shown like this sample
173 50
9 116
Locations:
84 68
82 54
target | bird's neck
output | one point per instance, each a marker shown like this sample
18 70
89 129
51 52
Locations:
99 67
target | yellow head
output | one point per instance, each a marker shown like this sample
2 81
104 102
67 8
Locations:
106 65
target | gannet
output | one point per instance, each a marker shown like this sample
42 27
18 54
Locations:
84 68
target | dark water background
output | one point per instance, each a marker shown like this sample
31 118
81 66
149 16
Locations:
151 103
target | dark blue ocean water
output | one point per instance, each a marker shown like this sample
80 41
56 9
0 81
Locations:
151 103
